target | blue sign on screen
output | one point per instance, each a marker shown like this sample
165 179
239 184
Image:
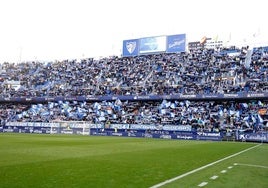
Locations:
176 43
130 47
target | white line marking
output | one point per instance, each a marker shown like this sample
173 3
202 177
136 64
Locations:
202 184
201 168
230 167
214 177
251 165
235 164
223 171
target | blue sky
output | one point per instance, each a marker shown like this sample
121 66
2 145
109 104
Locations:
68 29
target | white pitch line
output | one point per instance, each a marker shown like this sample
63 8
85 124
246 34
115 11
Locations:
230 167
202 184
251 165
201 168
223 171
214 177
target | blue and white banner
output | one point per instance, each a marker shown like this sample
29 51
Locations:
209 136
130 47
28 129
184 135
176 43
177 128
253 137
32 124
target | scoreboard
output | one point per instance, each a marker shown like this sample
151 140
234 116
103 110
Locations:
155 44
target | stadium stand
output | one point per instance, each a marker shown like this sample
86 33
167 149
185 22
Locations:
210 73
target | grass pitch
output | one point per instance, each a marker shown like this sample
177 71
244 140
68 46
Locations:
35 160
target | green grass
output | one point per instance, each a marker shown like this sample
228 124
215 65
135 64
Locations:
33 160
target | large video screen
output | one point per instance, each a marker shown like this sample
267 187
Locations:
156 44
153 44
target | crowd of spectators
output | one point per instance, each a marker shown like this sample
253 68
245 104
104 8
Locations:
200 71
206 115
